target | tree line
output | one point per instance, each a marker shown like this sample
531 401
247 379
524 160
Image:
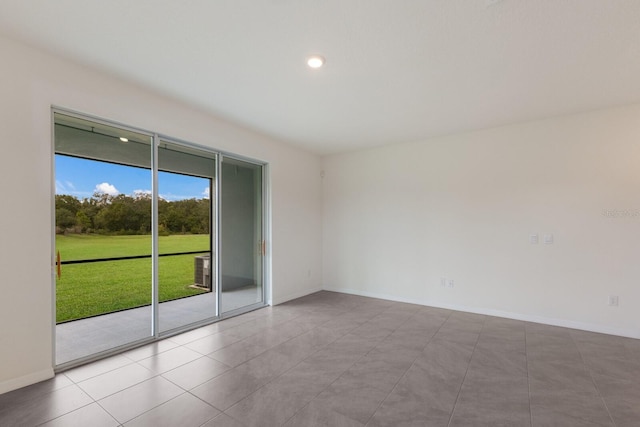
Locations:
122 214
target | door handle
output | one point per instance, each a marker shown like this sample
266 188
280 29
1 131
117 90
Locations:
58 265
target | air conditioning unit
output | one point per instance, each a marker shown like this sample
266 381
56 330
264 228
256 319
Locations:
202 271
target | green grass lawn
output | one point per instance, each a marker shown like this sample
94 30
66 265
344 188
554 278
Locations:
91 289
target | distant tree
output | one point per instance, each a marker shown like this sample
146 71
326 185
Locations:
116 215
142 210
83 221
71 203
124 214
102 199
90 208
66 208
65 218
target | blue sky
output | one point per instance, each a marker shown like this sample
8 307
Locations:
81 178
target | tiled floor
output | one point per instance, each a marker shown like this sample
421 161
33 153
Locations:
339 360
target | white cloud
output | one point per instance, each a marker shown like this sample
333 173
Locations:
106 188
205 193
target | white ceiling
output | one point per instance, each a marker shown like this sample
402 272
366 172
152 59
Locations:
396 70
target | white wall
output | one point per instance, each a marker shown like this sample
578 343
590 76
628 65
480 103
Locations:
397 219
31 83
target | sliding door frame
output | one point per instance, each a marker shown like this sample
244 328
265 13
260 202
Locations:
155 251
215 227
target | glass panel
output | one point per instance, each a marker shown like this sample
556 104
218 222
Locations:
186 265
241 234
103 237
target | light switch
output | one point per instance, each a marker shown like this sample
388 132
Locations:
533 238
548 239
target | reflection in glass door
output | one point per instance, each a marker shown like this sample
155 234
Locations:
242 244
186 261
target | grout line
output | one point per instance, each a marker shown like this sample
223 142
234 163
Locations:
76 409
407 370
150 409
107 412
292 367
97 362
453 410
593 380
526 355
339 376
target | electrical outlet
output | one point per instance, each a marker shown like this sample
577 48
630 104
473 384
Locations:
450 283
613 300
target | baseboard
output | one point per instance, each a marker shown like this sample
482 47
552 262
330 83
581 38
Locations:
16 383
565 323
297 294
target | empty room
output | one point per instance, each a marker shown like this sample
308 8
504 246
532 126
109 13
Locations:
320 213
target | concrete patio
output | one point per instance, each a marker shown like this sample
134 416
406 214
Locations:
84 337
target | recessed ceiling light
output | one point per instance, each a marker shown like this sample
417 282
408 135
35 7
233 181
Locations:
123 139
315 61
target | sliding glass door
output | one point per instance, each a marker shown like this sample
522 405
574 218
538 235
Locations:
153 236
103 223
186 233
242 243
